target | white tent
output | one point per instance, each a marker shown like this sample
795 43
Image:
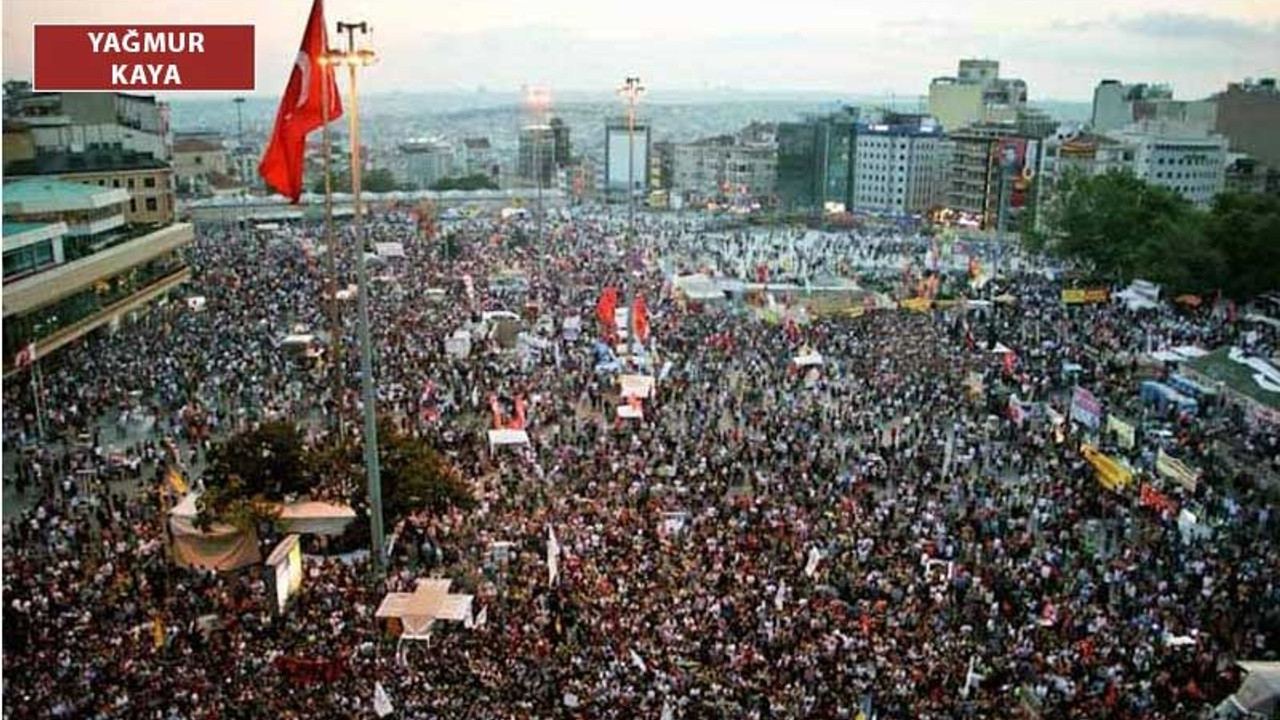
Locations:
419 610
1259 692
315 518
628 412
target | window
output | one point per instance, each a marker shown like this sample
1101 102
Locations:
199 160
129 183
149 182
115 182
151 204
133 204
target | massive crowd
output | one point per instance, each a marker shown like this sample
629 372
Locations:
876 535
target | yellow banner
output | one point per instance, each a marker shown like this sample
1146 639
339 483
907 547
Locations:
1111 474
917 304
1080 296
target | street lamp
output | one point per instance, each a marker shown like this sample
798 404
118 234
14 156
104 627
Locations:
354 59
537 100
1008 158
631 90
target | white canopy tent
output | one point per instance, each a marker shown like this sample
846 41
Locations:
1259 692
419 610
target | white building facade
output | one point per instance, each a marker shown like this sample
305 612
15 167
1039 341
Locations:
1178 157
900 168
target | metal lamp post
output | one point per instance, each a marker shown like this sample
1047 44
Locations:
353 59
631 90
537 100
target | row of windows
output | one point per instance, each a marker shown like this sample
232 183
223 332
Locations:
148 182
1195 160
27 260
1187 175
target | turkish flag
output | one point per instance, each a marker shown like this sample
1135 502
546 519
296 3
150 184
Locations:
301 110
606 307
640 318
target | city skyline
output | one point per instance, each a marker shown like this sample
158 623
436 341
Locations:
804 46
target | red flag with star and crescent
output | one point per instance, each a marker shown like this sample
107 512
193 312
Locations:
301 110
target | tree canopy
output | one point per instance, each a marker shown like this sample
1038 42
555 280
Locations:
1125 228
478 181
376 180
265 464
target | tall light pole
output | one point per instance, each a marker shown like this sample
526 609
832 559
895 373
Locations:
631 90
537 100
239 101
331 257
1007 158
353 59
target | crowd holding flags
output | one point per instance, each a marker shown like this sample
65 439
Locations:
301 109
640 319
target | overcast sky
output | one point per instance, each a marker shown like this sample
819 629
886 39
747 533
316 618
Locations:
857 47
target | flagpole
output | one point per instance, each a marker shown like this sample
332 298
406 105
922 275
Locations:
351 58
335 323
37 390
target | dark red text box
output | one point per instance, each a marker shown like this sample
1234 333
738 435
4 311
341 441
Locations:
65 58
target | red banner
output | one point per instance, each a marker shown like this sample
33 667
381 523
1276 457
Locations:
144 57
1157 500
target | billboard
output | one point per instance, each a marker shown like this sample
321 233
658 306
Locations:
617 169
1025 156
286 561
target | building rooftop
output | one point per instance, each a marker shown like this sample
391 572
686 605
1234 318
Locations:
476 143
193 144
11 227
40 195
90 161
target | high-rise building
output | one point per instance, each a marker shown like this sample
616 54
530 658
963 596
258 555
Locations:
1116 105
537 155
425 161
562 152
1249 116
79 121
815 161
976 170
724 167
1072 149
900 165
1180 157
73 262
976 94
626 158
114 140
477 158
198 161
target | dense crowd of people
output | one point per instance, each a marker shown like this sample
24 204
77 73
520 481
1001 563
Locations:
873 535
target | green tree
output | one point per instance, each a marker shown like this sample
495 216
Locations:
1119 224
1246 230
267 461
478 181
376 180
